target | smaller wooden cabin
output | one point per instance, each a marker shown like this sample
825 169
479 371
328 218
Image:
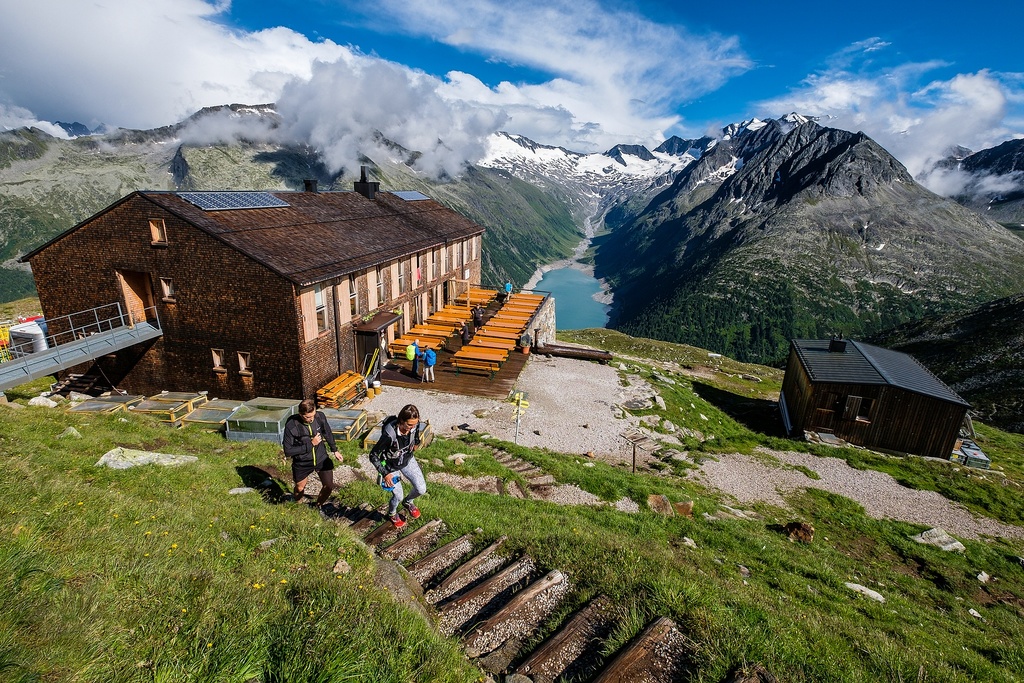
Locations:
869 396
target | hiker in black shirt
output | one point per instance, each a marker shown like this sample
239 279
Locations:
306 438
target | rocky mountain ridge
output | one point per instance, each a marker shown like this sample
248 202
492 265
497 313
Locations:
788 229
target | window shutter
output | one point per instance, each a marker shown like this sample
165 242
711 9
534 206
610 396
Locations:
430 266
307 303
371 289
341 295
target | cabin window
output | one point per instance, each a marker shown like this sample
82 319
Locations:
353 300
401 276
218 360
864 412
851 410
244 368
435 264
158 231
167 289
380 286
321 309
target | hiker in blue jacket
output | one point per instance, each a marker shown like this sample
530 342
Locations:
392 457
429 361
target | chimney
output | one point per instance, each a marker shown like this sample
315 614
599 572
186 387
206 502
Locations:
837 345
364 187
309 184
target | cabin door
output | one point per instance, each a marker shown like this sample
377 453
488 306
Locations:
140 303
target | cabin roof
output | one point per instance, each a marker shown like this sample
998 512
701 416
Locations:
315 236
864 364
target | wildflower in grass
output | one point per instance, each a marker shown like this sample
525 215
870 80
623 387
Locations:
284 580
209 645
184 610
252 526
174 545
146 555
222 554
81 503
148 533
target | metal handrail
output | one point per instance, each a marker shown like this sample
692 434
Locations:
82 325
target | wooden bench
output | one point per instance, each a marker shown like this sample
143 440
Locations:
469 364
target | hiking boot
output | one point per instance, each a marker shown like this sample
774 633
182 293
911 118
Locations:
413 510
397 521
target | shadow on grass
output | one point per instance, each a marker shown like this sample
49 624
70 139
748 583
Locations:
267 480
756 414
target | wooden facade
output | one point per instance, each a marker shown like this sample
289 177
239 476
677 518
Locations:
259 301
869 396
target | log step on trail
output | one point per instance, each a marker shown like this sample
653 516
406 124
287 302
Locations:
570 653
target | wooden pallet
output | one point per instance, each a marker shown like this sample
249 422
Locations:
342 391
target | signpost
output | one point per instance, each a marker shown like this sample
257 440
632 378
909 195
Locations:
521 404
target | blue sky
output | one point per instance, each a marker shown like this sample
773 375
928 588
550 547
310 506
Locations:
585 74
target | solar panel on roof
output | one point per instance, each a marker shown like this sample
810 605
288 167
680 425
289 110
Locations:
226 201
410 195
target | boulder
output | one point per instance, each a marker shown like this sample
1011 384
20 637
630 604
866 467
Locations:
941 539
660 504
43 402
684 509
865 591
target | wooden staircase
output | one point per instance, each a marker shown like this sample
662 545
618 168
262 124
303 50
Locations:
494 604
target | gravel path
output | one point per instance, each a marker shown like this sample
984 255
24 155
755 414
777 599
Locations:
571 406
749 480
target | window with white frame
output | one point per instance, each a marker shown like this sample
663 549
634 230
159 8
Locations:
401 276
381 298
321 309
353 296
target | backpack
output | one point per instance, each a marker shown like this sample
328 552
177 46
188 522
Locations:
410 352
429 357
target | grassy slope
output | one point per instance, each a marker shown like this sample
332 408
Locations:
88 594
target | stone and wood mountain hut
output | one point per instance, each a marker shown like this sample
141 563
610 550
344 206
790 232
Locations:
259 293
869 396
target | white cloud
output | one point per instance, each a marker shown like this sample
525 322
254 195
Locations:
142 64
342 106
615 74
916 123
600 77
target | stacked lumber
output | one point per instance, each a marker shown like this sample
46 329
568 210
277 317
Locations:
342 391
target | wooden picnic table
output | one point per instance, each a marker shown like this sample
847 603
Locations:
492 342
506 325
481 353
498 332
459 311
517 310
512 315
523 296
449 317
429 330
397 347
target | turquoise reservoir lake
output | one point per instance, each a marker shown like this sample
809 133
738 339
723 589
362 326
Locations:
575 307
